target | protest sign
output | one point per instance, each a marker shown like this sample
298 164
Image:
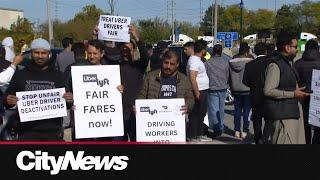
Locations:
314 108
160 120
315 86
314 111
98 103
43 104
114 28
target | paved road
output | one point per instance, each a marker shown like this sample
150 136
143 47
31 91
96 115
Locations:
226 138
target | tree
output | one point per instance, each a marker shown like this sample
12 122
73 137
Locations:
154 30
261 19
228 20
79 28
206 24
287 20
22 29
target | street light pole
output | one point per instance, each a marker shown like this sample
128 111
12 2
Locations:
215 21
50 24
241 20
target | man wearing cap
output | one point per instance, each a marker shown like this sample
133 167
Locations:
38 75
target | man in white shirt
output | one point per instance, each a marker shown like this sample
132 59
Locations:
200 84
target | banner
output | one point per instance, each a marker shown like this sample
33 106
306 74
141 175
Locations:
43 104
114 28
160 120
98 103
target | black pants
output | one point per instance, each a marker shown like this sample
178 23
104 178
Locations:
257 115
40 136
195 125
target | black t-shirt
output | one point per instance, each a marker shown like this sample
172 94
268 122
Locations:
168 87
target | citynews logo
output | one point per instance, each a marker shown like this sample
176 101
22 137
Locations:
94 78
27 160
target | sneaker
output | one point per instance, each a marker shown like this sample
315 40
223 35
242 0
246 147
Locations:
237 134
204 139
243 135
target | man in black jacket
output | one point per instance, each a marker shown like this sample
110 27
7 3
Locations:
38 76
253 77
132 71
310 60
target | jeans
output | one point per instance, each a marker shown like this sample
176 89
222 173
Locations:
216 103
242 106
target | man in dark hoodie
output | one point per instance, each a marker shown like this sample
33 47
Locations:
38 76
240 91
310 60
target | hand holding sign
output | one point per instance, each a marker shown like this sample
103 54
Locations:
68 96
12 100
135 33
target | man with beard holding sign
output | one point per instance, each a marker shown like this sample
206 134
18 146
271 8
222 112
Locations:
168 83
38 75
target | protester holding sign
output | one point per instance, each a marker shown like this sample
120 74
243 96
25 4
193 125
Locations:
133 64
168 83
39 75
310 60
95 55
283 122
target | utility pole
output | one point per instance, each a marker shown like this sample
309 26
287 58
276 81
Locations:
167 11
215 21
200 12
241 19
56 10
50 25
172 19
112 5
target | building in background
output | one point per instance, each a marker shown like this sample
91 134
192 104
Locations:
9 16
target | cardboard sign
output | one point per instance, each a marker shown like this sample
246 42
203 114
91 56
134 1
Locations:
314 111
98 102
160 120
43 104
114 28
315 86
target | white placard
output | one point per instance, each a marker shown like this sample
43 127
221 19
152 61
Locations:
43 104
315 85
160 120
314 110
98 103
114 28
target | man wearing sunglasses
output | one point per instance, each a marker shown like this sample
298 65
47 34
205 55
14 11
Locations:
284 124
